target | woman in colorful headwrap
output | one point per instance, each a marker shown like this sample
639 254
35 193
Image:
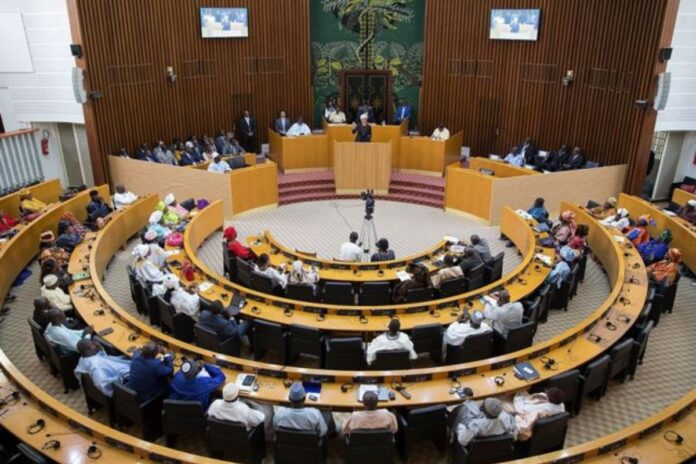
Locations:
639 235
579 241
174 207
606 210
76 227
300 276
665 271
155 224
656 249
565 229
28 203
169 218
49 250
237 249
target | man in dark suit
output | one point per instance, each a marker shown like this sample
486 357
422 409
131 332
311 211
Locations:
403 111
225 327
556 159
365 108
247 132
529 150
282 124
576 161
363 130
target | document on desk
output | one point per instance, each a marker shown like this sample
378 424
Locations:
451 239
457 249
382 393
403 275
669 213
543 258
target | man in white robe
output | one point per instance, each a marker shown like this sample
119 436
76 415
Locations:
123 198
393 339
263 266
145 271
458 331
186 301
483 419
530 408
619 221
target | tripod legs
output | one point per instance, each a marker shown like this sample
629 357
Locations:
368 234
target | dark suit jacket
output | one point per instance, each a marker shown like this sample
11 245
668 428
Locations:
225 328
279 128
529 154
365 109
468 263
407 113
245 128
575 162
363 133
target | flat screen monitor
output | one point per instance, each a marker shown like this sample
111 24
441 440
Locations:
515 24
222 23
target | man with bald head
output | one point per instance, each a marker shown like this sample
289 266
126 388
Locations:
476 419
58 333
371 418
103 369
150 370
503 314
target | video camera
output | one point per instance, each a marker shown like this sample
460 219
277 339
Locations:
369 199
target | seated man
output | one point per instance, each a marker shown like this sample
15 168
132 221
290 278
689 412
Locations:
605 210
688 212
371 418
449 271
49 250
225 327
68 238
638 234
41 308
299 128
538 211
209 153
282 124
576 161
555 159
298 416
185 300
60 335
103 369
53 293
157 256
458 331
441 132
656 249
350 250
7 222
219 165
383 252
28 203
665 271
230 408
420 278
237 249
530 408
469 260
263 266
515 158
619 221
503 314
97 210
338 116
150 370
482 419
123 198
403 111
165 290
196 381
529 151
301 276
146 272
393 339
188 156
480 246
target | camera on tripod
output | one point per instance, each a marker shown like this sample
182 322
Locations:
369 199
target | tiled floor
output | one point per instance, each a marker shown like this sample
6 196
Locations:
668 373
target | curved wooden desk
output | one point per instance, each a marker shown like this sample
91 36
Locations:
48 192
682 197
526 277
570 349
335 270
683 233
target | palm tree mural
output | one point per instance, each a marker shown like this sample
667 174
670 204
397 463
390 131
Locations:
367 18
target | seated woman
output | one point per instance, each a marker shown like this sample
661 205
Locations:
49 250
419 279
383 252
155 224
620 221
665 272
67 238
656 249
300 276
28 203
236 248
538 211
263 266
565 229
579 241
639 234
49 267
169 218
74 225
7 222
174 207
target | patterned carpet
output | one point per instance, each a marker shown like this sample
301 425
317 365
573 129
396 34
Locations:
668 373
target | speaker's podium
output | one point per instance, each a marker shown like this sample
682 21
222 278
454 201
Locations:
362 166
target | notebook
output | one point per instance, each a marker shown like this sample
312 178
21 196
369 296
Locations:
382 392
525 371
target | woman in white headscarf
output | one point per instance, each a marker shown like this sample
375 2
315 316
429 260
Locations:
155 224
174 207
299 275
146 272
166 288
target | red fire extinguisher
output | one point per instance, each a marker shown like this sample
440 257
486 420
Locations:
44 142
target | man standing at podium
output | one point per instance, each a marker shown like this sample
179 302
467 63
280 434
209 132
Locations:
282 124
403 111
362 130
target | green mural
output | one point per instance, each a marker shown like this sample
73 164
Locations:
367 34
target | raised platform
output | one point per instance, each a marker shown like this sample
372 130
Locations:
405 188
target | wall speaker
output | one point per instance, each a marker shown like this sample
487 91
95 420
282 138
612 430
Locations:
665 54
664 83
76 50
78 85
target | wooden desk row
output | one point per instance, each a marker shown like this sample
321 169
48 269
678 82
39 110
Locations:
683 233
48 192
682 197
526 277
570 349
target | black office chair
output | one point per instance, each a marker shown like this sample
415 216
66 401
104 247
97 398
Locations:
40 343
344 353
453 286
582 265
486 450
63 365
302 292
181 418
518 338
375 294
493 270
561 296
421 424
417 295
475 348
262 283
95 399
146 415
132 281
390 360
531 309
475 277
569 382
189 204
546 295
269 336
137 292
305 340
210 340
339 293
299 447
183 327
620 355
27 455
639 347
593 380
548 435
166 315
151 307
373 446
428 339
231 441
244 270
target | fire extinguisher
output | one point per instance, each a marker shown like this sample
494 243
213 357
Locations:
44 142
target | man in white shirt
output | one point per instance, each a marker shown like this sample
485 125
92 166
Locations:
448 271
441 133
620 221
458 331
186 301
351 251
393 339
210 153
515 157
219 165
169 284
298 416
263 266
123 198
299 128
338 116
530 408
230 408
55 294
503 314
